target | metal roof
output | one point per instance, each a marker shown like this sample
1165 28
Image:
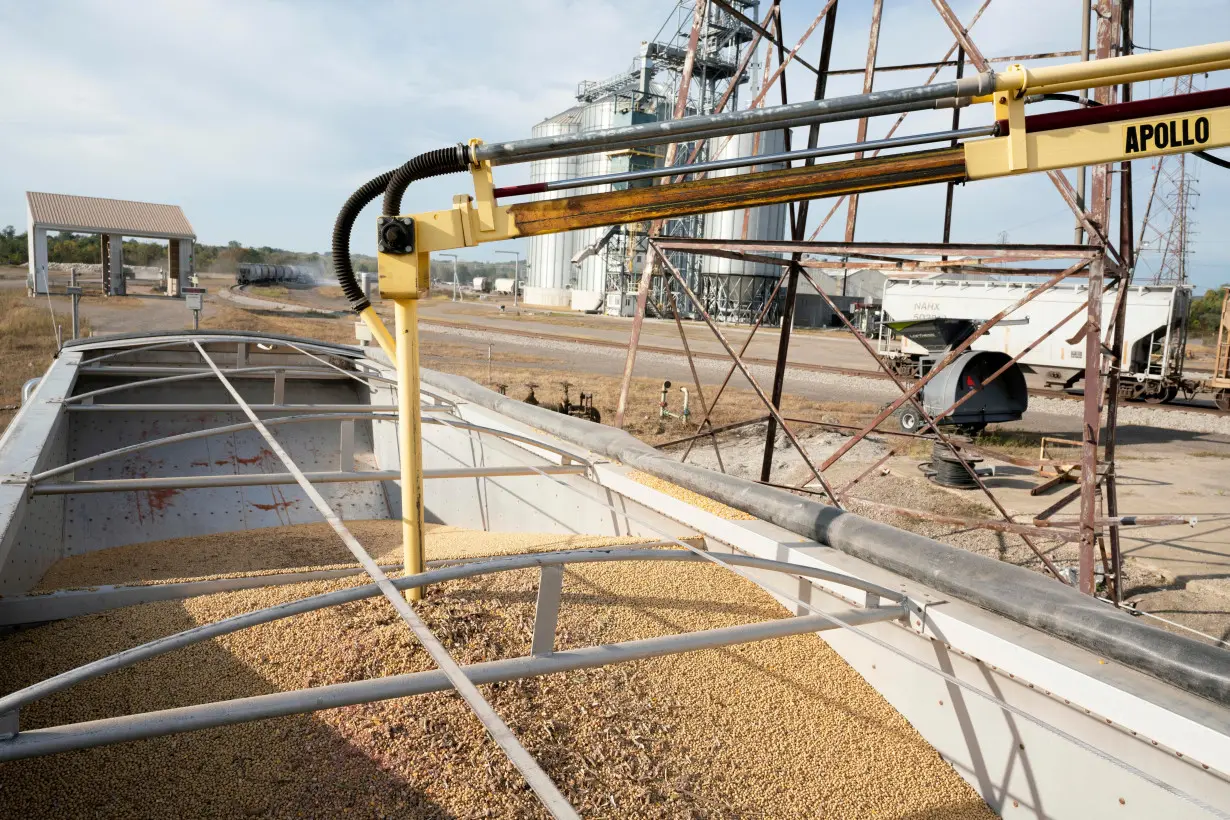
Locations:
97 215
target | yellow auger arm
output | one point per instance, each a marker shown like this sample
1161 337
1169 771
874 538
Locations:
1015 144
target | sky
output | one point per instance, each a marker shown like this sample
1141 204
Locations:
260 118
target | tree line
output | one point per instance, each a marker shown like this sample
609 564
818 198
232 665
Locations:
86 249
1205 315
68 247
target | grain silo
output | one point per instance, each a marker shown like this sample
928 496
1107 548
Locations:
550 256
734 290
554 278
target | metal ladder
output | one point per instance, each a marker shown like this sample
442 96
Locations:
1221 370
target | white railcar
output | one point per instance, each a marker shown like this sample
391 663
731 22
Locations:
1155 329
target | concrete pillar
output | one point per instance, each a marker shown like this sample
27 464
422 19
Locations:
174 273
105 245
114 248
36 239
186 267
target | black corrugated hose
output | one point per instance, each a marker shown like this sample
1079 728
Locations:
394 184
432 164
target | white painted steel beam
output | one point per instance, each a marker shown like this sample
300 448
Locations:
545 789
86 735
117 485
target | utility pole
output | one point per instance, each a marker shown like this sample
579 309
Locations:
453 256
516 273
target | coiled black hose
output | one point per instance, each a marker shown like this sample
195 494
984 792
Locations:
341 240
947 471
430 164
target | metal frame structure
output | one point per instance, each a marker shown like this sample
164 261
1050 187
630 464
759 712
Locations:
1023 145
874 602
1109 266
543 658
17 744
111 220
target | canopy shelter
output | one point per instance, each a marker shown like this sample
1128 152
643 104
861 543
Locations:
113 219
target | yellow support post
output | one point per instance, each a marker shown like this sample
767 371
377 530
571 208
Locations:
409 434
379 332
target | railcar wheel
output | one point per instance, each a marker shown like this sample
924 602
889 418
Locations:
1154 393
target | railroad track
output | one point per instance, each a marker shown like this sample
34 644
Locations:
858 372
862 373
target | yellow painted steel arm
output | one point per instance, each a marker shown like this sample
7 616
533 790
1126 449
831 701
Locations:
1114 70
478 219
404 277
380 332
1099 143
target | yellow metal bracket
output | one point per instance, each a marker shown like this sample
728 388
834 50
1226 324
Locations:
1137 138
484 192
471 221
1010 108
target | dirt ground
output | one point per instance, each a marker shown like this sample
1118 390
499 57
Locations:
1181 573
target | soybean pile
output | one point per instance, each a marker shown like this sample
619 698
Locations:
781 728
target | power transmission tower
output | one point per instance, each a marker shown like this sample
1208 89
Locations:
1168 228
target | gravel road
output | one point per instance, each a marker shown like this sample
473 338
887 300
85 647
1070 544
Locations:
1045 414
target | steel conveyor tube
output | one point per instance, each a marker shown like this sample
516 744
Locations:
744 162
1017 593
938 95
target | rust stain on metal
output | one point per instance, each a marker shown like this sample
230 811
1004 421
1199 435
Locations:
742 190
256 459
159 500
277 506
155 502
234 459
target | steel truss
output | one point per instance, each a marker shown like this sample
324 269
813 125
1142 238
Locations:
1100 263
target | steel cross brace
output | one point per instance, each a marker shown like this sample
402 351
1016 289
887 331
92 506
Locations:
901 118
699 16
700 393
746 343
1096 231
947 360
747 374
909 394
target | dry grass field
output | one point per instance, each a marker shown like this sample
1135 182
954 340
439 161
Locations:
27 345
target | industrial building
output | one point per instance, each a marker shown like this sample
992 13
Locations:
114 219
596 268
